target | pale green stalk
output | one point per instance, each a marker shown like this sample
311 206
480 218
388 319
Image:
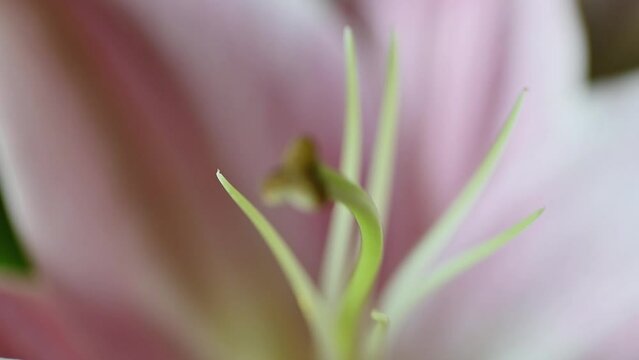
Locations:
380 176
308 298
374 347
369 260
400 292
333 271
303 177
305 182
460 264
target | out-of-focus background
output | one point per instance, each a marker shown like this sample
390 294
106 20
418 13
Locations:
613 38
613 35
612 28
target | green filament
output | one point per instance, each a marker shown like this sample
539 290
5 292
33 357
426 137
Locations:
341 226
370 256
303 177
460 264
375 343
399 294
381 171
308 298
334 315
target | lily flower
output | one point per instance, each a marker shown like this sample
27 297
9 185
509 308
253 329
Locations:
115 116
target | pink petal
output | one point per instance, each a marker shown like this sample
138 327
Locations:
30 327
560 290
463 64
112 129
36 325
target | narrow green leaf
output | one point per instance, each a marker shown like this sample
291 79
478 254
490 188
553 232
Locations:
398 295
380 176
458 265
333 271
13 258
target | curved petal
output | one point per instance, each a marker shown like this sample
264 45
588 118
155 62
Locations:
621 343
115 116
463 64
34 325
30 327
567 283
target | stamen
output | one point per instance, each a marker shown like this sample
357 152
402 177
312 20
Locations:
307 184
376 341
307 295
333 273
380 176
369 260
401 292
298 179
